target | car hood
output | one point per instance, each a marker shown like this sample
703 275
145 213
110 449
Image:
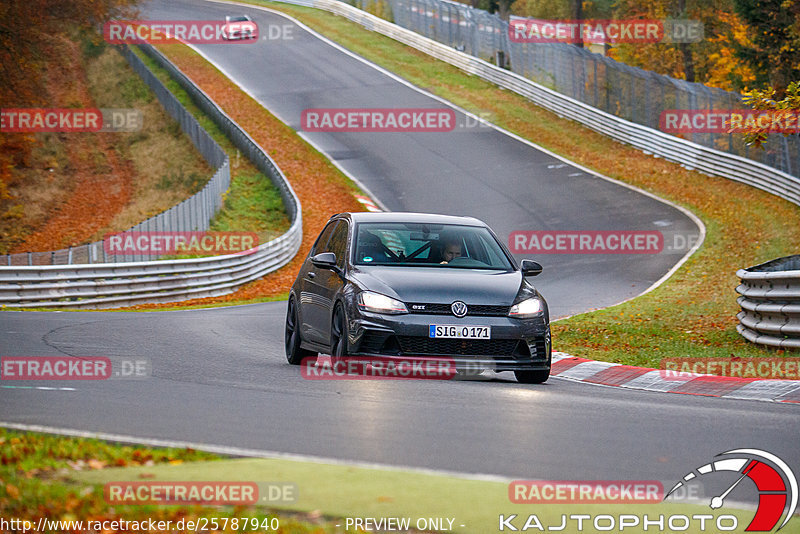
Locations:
441 285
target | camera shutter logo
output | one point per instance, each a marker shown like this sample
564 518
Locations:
774 480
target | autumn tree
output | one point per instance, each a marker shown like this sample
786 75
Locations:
782 111
774 48
26 26
712 61
501 7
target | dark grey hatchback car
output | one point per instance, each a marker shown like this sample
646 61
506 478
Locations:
402 285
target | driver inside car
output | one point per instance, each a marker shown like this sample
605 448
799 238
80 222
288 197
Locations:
451 249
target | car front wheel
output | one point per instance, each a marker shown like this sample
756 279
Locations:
338 334
532 377
294 353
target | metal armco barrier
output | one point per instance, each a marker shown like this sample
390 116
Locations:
109 285
688 154
770 303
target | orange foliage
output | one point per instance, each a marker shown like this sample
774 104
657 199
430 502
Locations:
726 67
27 27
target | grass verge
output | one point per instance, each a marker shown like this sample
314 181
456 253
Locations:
63 478
41 476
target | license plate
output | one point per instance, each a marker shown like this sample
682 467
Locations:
458 331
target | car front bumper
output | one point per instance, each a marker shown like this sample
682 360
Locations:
515 344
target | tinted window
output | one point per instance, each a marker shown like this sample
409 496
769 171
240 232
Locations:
338 243
429 245
322 240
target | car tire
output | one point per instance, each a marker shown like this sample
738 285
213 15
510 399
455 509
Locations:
538 377
532 377
294 352
338 334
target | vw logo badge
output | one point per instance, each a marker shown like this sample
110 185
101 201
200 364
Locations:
458 308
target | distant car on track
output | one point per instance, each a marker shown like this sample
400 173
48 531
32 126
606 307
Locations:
400 285
239 27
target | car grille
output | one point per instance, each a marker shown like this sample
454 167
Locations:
472 309
457 347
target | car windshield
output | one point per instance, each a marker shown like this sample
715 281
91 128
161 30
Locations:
428 245
237 19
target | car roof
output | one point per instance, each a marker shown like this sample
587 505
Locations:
408 217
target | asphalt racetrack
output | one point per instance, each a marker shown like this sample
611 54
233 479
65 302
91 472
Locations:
219 376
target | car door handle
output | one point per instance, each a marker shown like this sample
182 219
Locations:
312 275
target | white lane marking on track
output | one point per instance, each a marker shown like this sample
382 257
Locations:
42 388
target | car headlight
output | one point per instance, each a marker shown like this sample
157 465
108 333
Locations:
377 303
526 309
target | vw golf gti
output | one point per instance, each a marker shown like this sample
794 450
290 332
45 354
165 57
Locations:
401 285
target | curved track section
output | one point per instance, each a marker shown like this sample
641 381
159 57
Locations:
474 170
219 376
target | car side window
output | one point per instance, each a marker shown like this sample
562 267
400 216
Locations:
338 243
321 244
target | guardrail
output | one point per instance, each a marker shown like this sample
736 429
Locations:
632 93
688 154
770 303
108 285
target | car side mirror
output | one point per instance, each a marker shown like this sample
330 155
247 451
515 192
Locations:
325 260
530 268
